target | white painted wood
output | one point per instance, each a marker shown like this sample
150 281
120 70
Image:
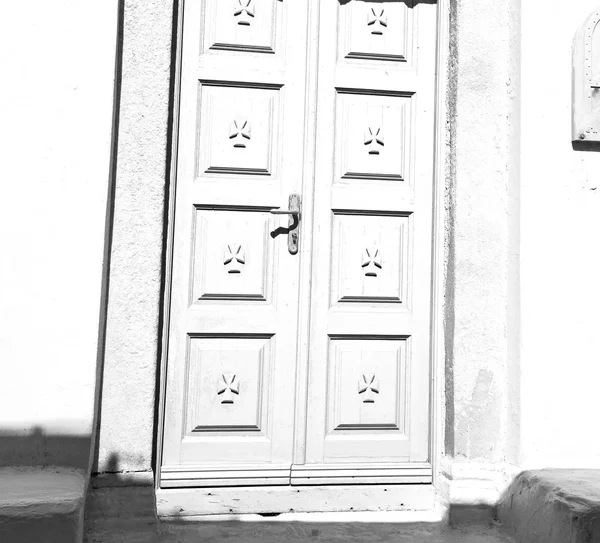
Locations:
376 473
369 372
232 332
234 475
247 474
222 501
438 353
277 375
170 244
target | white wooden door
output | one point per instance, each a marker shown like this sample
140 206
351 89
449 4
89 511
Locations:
253 396
230 388
369 371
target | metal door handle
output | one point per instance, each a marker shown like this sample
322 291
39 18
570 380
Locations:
285 212
294 212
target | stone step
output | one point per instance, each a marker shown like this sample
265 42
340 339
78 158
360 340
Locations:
41 505
553 506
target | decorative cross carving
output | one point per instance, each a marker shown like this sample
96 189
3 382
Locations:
228 386
377 19
238 132
369 387
233 256
244 11
374 139
371 261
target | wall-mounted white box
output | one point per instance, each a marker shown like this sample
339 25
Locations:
586 81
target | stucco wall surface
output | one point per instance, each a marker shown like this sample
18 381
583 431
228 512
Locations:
56 109
129 377
481 320
560 258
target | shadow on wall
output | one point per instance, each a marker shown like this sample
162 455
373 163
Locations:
43 450
587 146
40 449
112 465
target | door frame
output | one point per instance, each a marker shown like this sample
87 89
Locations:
437 343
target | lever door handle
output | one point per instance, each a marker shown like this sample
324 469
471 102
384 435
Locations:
285 212
294 212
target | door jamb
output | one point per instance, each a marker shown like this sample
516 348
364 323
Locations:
438 267
168 262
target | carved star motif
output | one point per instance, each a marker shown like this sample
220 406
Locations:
244 11
374 139
239 131
371 261
368 386
228 387
377 19
233 256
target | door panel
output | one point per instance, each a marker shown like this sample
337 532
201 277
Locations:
230 386
368 387
382 394
243 25
376 31
382 153
242 256
241 369
238 130
370 259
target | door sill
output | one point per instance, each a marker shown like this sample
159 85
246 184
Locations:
189 502
365 474
297 475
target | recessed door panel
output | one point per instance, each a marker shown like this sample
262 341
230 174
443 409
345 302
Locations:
233 255
238 130
373 137
370 259
367 390
228 386
242 26
377 31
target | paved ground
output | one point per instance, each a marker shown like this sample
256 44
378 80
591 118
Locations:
282 530
321 533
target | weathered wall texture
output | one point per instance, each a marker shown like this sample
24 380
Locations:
129 377
560 251
523 223
482 392
56 109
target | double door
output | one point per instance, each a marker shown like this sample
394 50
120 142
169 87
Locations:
298 344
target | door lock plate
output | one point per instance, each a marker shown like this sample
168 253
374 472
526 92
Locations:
295 214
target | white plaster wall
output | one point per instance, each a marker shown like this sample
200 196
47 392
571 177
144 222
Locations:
129 379
56 102
560 251
481 321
